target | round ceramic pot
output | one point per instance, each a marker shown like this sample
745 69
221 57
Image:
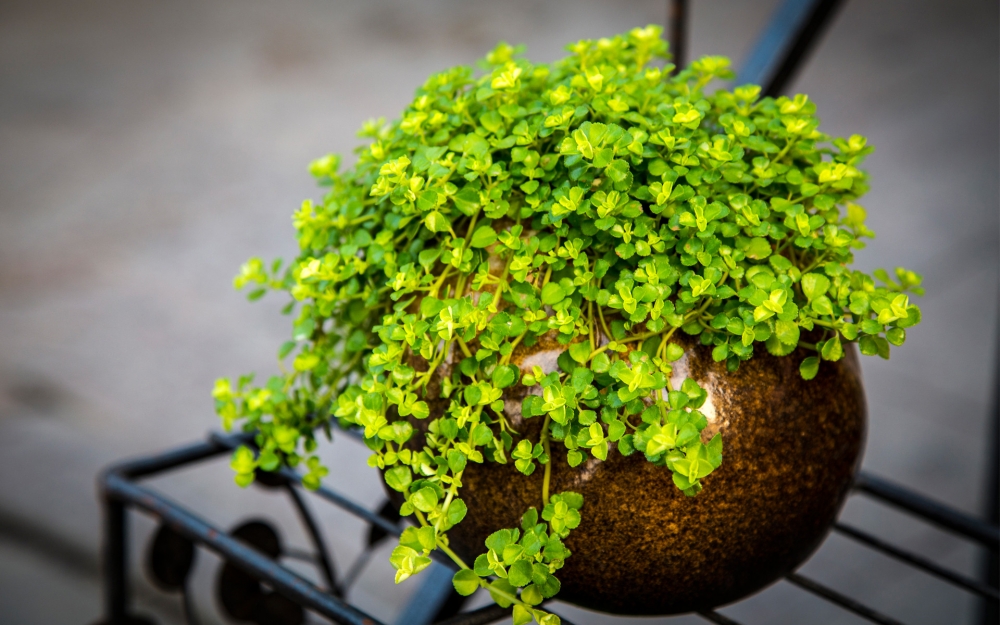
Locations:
790 451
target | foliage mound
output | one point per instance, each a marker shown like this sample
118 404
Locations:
602 200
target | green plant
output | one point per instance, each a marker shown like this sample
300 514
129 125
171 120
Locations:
602 200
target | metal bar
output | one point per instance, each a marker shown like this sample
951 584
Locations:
678 18
250 560
919 562
930 510
351 506
805 39
118 490
715 617
483 616
322 554
787 40
842 600
149 465
775 39
115 562
187 603
486 615
355 569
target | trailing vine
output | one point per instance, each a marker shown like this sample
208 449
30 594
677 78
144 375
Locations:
603 202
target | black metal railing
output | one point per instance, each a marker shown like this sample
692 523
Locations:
122 490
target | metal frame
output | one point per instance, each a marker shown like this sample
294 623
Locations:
793 32
121 490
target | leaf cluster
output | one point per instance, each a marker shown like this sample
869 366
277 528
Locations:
525 559
604 202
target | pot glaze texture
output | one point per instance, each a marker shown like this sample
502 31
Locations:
790 451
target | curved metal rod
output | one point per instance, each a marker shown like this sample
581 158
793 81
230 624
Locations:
118 489
678 33
919 562
840 599
791 34
189 614
715 617
325 562
355 569
483 616
937 513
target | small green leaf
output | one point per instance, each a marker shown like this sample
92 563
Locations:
581 378
482 435
552 294
532 595
809 368
425 499
436 222
484 236
896 336
256 294
427 258
832 349
472 394
456 461
305 361
420 410
505 375
399 478
456 511
521 615
286 348
618 170
520 573
243 460
303 330
759 248
466 582
356 341
580 352
814 285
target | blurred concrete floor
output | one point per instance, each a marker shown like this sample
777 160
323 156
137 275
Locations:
147 149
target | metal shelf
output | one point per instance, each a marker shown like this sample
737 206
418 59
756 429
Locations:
122 490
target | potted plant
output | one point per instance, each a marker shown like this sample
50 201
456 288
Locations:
597 322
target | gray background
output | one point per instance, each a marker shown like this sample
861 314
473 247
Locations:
148 148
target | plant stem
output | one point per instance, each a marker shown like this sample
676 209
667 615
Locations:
604 325
421 518
437 285
451 554
547 478
447 501
513 346
503 282
663 343
509 597
628 339
590 319
465 348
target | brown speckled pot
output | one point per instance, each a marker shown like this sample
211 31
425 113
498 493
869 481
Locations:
791 448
